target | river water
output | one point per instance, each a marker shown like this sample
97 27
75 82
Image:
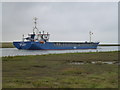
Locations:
16 52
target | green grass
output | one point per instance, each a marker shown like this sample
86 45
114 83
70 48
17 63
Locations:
55 71
6 45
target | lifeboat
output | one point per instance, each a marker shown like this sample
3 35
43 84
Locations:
42 42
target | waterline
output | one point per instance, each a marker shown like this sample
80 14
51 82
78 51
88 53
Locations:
16 52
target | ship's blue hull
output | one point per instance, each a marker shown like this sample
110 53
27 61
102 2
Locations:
54 45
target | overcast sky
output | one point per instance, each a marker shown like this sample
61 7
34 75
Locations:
65 21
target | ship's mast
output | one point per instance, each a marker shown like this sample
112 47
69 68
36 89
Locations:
90 33
35 27
23 37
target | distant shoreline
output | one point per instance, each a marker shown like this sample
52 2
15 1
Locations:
10 45
109 45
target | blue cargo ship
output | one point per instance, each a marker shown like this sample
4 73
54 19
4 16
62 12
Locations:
40 41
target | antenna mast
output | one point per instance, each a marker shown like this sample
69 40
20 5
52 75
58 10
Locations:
90 33
35 22
23 38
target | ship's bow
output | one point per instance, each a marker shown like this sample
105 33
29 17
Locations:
22 45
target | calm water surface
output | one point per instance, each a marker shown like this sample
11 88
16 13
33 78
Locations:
16 52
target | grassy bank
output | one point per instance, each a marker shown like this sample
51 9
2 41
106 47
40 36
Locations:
6 45
109 44
56 71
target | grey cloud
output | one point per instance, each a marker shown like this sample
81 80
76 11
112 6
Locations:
65 21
